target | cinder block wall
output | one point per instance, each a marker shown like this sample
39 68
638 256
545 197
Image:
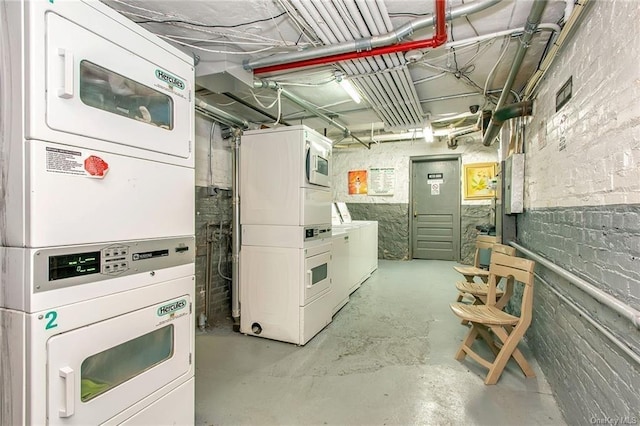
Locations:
392 212
582 206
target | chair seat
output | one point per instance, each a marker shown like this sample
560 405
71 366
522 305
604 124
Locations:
484 314
471 270
477 289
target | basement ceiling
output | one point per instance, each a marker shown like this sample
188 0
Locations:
450 85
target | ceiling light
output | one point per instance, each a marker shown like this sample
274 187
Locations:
427 130
348 87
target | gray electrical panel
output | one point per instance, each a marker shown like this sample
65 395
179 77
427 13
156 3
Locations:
513 175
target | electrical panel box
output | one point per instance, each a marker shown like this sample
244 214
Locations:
513 175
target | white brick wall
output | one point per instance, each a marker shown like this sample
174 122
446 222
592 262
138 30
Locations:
600 125
220 172
397 155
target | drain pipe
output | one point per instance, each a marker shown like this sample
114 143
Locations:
264 84
533 20
370 46
235 231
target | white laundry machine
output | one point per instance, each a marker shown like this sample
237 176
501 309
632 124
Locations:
285 281
124 355
97 122
96 219
285 177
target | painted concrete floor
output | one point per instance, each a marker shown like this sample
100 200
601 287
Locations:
386 359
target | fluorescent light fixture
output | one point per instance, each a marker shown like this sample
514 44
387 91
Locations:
348 87
427 130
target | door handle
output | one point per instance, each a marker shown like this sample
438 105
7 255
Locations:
66 91
68 375
309 278
415 211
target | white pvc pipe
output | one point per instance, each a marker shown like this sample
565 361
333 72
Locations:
547 27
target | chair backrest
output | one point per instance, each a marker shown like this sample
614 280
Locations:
516 269
483 242
501 248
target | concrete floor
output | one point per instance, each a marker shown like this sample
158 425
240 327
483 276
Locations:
386 359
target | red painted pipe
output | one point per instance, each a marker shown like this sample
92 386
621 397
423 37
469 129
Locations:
438 39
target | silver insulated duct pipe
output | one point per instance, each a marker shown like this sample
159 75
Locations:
535 15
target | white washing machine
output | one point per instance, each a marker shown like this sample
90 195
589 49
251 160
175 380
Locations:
285 281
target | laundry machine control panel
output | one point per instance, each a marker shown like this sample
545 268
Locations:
61 267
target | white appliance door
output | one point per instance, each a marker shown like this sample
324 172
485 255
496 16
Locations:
97 371
318 162
317 279
100 90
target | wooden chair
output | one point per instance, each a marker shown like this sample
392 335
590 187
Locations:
507 328
479 290
469 272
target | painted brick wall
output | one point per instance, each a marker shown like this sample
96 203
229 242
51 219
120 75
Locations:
582 211
392 212
213 207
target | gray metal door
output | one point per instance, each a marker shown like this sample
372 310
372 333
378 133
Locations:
435 204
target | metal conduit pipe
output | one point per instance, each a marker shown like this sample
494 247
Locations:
235 230
606 299
615 340
535 15
220 115
371 45
262 84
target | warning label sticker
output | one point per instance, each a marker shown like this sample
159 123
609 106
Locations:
71 162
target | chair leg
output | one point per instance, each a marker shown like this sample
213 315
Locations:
509 345
460 297
467 342
517 355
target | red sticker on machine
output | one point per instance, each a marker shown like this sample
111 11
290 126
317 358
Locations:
72 162
96 166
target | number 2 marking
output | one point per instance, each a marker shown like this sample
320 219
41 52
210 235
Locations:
51 316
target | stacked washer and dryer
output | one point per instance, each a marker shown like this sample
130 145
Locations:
96 219
285 256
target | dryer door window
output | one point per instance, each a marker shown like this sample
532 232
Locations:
318 278
109 91
110 368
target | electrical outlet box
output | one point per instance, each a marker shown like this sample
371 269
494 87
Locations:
514 184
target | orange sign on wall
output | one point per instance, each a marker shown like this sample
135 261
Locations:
357 182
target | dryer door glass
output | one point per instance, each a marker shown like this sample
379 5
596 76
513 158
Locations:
104 89
108 369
